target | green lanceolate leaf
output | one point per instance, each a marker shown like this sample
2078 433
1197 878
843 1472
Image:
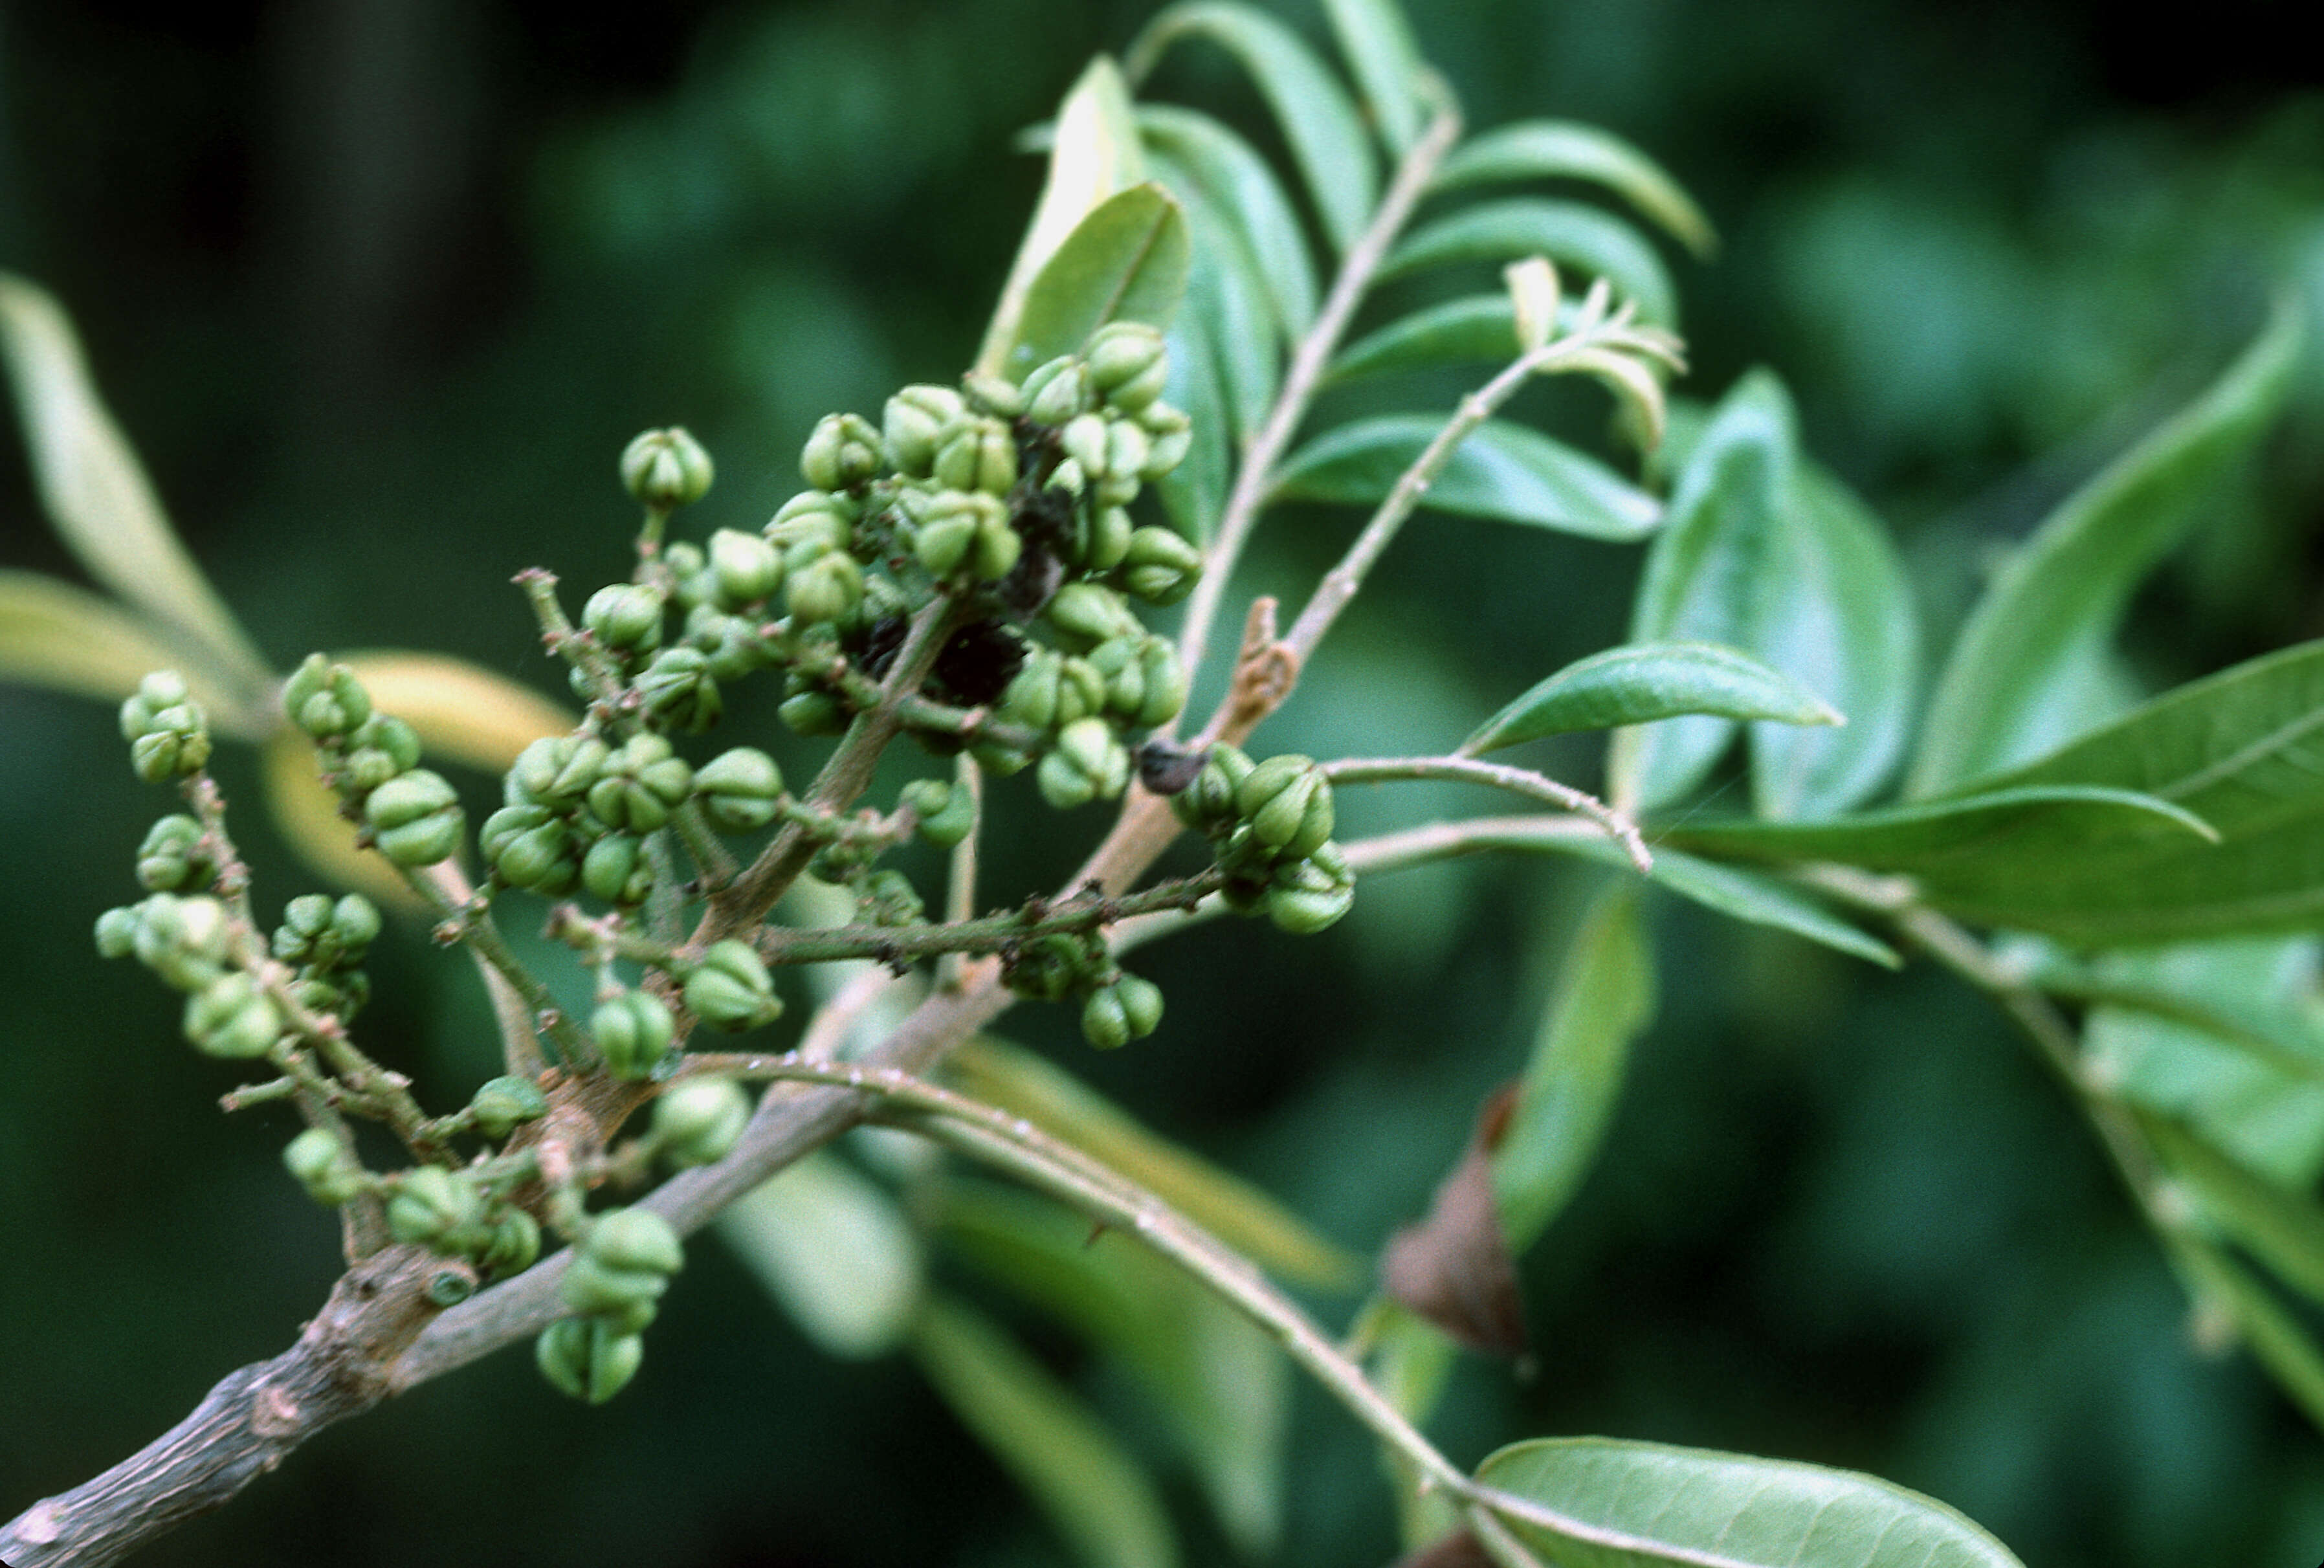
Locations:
2273 1332
1325 135
1241 185
1838 616
2243 750
1230 301
1376 40
1578 238
102 505
2282 1227
1710 572
1094 155
1238 1213
1501 471
1605 998
1464 331
1126 261
2003 696
1195 492
1099 1498
67 639
1739 894
1221 1383
1564 150
1597 1502
1641 683
832 1247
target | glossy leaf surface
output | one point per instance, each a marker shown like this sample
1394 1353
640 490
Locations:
1502 471
2008 689
1377 43
1231 303
1578 238
833 1248
1126 261
1240 184
1325 135
1639 683
1568 150
1464 331
1597 1502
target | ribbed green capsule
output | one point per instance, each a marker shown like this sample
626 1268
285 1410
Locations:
321 1164
168 735
382 747
665 469
502 1104
232 1016
679 692
634 1032
170 858
435 1208
915 422
587 1358
1305 895
641 785
945 812
744 568
627 616
1088 764
729 988
1208 803
555 771
616 870
1160 566
1289 804
514 1246
843 452
739 789
1091 612
1058 391
825 589
415 818
700 1120
325 699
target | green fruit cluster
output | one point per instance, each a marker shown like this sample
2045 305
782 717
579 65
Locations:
1269 824
621 1267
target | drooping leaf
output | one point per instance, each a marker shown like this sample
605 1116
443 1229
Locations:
1246 344
832 1247
1455 1268
1837 616
1223 1384
2002 698
1639 683
1739 894
1096 1496
2281 1226
1501 471
1238 1213
66 639
1094 155
1710 573
100 501
1377 41
1126 261
1597 1502
1604 999
1238 180
2274 1334
1463 331
1565 150
1578 238
2243 750
1326 135
1194 494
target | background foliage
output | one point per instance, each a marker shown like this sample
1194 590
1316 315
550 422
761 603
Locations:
380 287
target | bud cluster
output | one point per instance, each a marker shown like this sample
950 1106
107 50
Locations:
1269 824
1117 1006
622 1265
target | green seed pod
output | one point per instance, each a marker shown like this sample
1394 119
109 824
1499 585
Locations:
1127 448
500 1105
354 925
946 814
1053 967
730 989
641 784
744 568
1138 394
1305 895
1166 683
1080 690
812 713
633 1239
506 825
739 789
1208 803
1030 698
943 543
997 760
730 645
1091 613
171 859
1109 538
321 1164
433 1207
304 932
165 688
634 1032
1103 1022
555 771
382 747
1121 351
915 422
1084 440
1117 662
231 1016
626 616
183 940
813 517
415 818
1289 804
689 573
1115 489
842 453
990 394
1088 764
1067 476
117 932
1057 390
699 1121
546 859
1172 435
587 1360
988 462
615 869
998 548
825 589
168 736
679 692
514 1246
1160 566
325 699
665 469
1141 1004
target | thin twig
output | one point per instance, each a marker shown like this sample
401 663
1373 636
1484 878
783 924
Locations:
1501 776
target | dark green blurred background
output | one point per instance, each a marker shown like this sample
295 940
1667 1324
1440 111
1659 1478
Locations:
379 287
